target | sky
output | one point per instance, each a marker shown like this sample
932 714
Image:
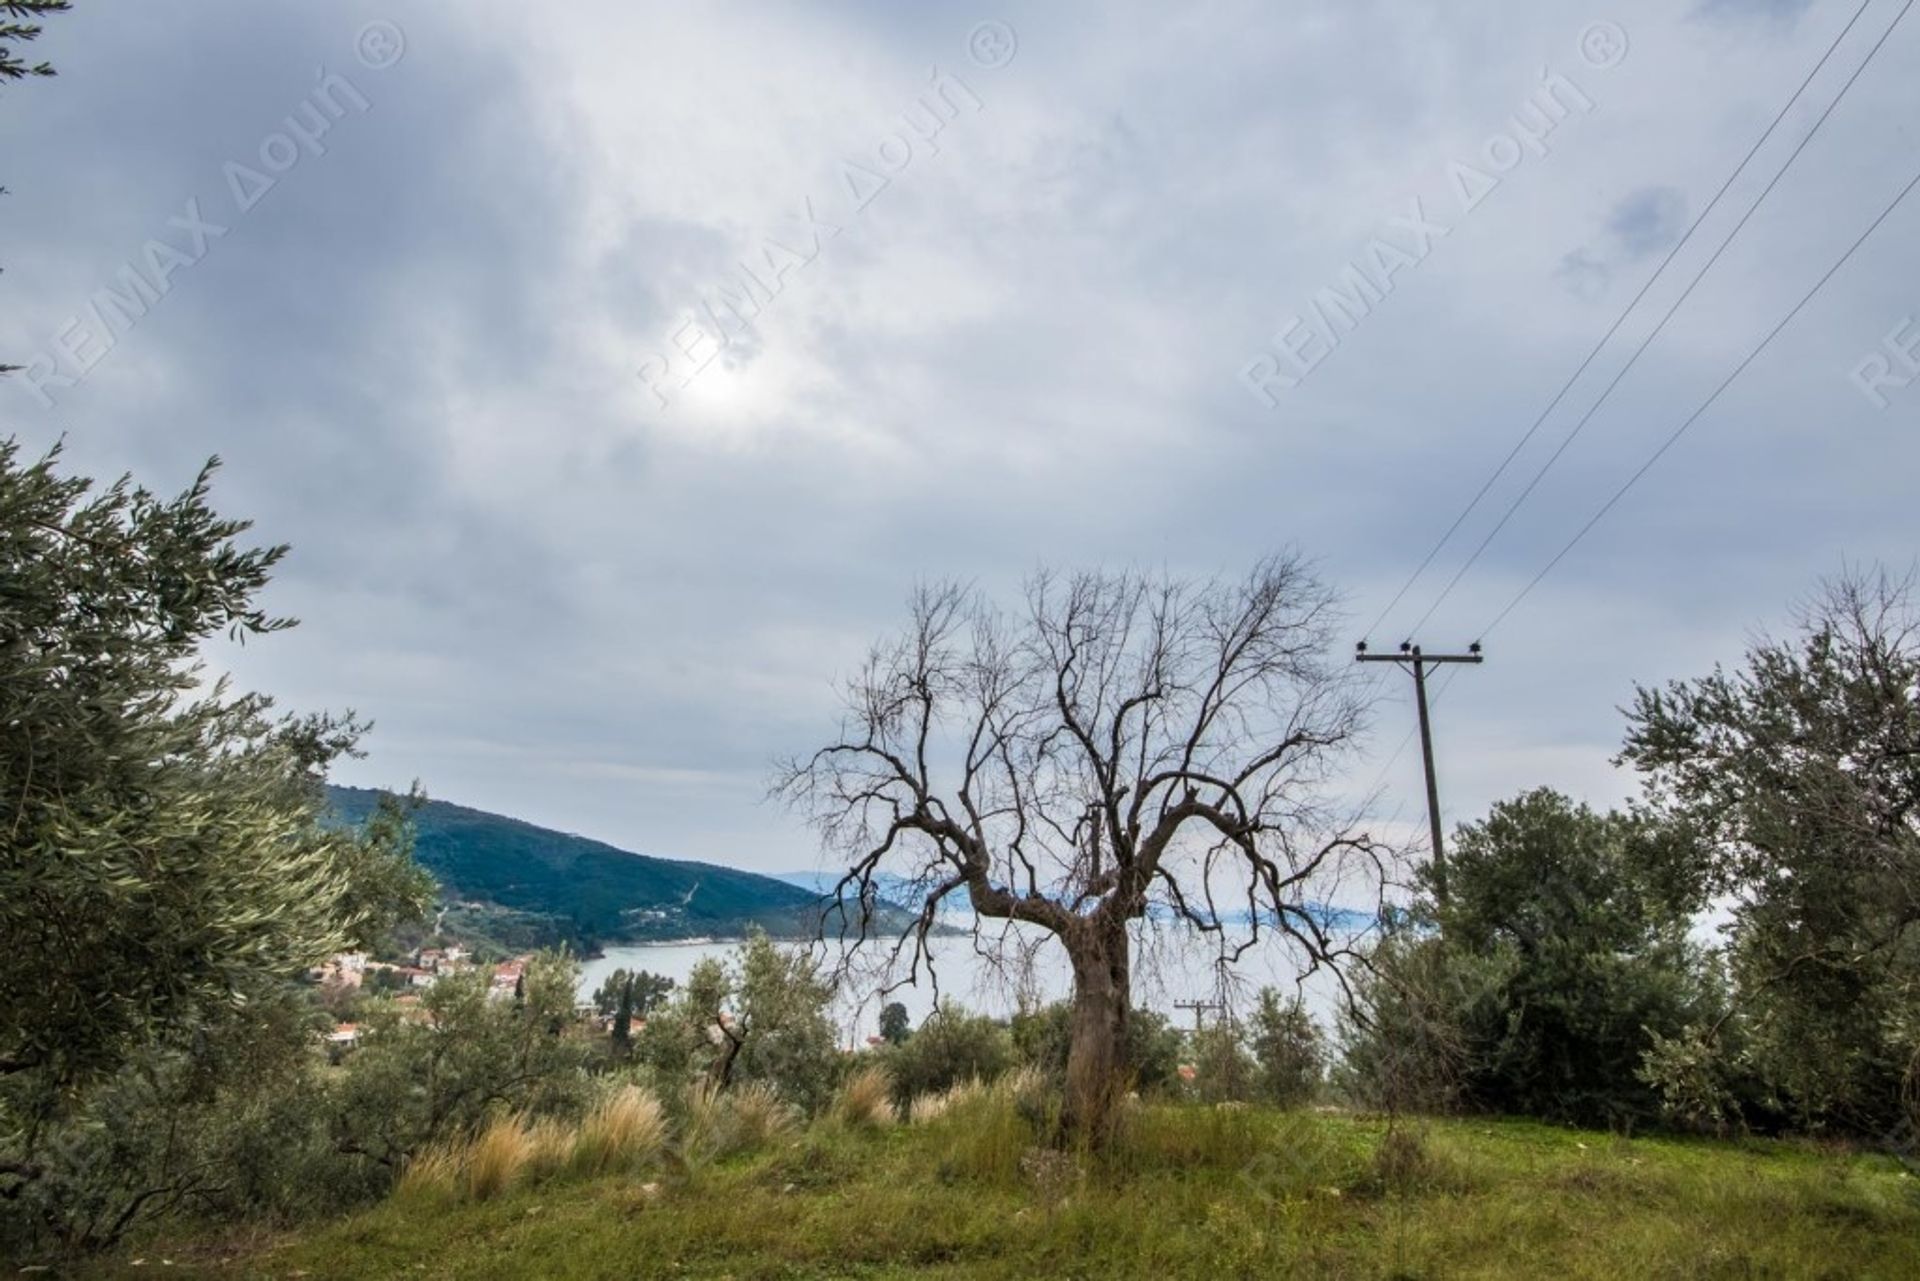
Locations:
464 295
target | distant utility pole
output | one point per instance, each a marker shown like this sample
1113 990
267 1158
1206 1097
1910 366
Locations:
1411 656
1198 1008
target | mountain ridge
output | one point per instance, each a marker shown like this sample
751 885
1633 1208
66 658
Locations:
519 884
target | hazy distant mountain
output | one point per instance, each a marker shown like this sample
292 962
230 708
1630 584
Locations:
524 886
894 890
899 891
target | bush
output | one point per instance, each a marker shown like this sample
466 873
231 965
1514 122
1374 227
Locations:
1288 1048
1043 1036
761 1018
1223 1071
414 1084
1560 962
950 1047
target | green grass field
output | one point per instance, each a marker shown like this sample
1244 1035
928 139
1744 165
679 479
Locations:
1188 1191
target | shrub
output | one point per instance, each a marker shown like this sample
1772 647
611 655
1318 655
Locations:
1288 1049
1042 1037
761 1017
412 1085
1223 1070
950 1047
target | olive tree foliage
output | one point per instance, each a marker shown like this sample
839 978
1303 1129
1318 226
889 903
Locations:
1043 1037
1122 748
952 1046
165 855
16 29
420 1079
1560 959
1802 769
760 1017
228 1126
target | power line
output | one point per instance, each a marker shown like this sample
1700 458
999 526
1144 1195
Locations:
1439 692
1647 342
1705 405
1620 320
1415 660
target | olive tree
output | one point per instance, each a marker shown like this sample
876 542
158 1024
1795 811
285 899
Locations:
1802 772
1121 750
167 851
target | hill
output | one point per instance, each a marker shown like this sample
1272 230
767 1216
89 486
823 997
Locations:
517 885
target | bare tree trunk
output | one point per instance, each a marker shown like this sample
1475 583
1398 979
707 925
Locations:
1096 1054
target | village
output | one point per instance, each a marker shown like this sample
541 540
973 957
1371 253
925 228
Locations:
346 977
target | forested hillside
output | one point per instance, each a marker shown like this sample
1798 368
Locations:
549 887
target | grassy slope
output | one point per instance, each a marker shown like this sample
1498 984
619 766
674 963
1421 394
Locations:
1193 1193
590 889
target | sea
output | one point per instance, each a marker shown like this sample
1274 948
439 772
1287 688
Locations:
994 971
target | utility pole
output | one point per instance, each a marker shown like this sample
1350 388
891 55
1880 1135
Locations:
1411 656
1198 1007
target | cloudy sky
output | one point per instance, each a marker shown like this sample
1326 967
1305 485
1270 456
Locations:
1050 284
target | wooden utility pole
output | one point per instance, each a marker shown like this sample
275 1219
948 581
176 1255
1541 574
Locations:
1411 656
1198 1007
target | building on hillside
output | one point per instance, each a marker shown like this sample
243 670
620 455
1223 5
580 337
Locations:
344 969
342 1041
444 960
507 977
415 976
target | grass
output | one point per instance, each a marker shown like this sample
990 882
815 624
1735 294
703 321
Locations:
625 1130
866 1100
497 1159
1185 1191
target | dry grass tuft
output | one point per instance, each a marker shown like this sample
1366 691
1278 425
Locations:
435 1172
626 1130
705 1121
550 1146
499 1157
758 1117
866 1100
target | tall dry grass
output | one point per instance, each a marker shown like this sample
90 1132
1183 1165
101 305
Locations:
759 1117
704 1121
437 1171
500 1156
625 1130
865 1102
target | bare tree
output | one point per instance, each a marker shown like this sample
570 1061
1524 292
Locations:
1127 748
